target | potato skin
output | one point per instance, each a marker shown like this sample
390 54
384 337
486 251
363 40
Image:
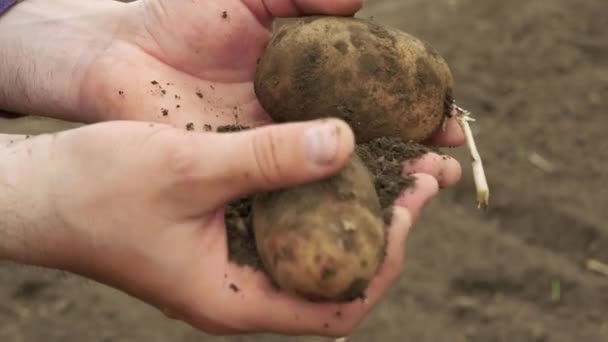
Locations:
382 81
325 240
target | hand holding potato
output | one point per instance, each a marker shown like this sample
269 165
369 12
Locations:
140 207
325 240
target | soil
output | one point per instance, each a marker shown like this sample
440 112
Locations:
535 75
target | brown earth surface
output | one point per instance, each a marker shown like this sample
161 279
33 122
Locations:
517 272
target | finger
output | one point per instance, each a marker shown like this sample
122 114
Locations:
451 136
444 168
275 156
293 8
414 199
290 315
392 265
345 318
405 213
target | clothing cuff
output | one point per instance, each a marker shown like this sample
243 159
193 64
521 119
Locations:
6 4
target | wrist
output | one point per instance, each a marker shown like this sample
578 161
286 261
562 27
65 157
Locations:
46 48
29 230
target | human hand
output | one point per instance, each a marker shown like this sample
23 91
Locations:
143 59
174 62
195 62
156 238
139 206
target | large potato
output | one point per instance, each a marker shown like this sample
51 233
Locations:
324 240
382 81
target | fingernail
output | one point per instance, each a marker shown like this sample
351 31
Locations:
322 142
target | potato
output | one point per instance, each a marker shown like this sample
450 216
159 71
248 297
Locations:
383 82
325 240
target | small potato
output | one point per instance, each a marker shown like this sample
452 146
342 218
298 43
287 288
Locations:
382 81
325 240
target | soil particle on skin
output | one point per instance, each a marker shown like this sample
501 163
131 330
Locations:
224 14
190 126
207 128
164 111
231 128
384 157
121 93
160 89
234 288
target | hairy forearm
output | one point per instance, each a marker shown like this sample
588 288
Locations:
12 208
45 49
24 212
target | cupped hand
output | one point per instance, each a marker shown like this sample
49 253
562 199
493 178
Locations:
139 206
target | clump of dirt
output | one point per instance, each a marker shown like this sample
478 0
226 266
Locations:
241 243
384 157
231 128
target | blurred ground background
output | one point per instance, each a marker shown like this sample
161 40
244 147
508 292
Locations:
535 74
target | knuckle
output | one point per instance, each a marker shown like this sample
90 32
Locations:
265 153
180 157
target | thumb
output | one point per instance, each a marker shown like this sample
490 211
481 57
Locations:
278 156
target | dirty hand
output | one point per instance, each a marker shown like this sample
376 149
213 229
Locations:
139 206
175 62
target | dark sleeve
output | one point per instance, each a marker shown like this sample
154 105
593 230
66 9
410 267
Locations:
6 4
